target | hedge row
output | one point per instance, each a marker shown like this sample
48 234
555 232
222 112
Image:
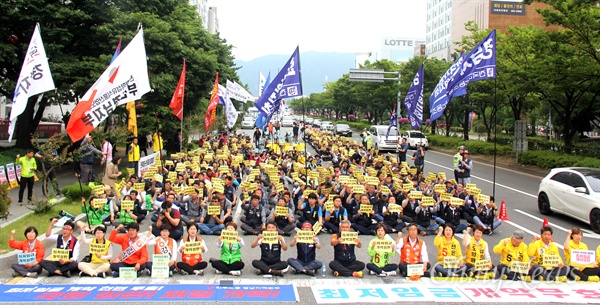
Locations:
552 159
474 146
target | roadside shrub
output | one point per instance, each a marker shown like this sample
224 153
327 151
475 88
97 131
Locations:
73 192
5 200
552 159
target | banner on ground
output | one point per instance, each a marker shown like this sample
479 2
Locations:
125 80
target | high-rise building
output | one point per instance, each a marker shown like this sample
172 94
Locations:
202 9
399 49
213 21
446 21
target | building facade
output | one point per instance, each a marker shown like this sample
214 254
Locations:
213 21
202 9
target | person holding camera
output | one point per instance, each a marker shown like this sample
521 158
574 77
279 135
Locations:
419 159
170 216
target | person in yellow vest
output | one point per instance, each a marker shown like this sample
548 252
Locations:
511 250
476 249
412 251
165 245
546 263
28 168
448 247
192 263
579 271
157 142
99 264
133 155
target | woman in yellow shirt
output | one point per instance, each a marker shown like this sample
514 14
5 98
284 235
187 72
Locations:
450 258
585 272
157 142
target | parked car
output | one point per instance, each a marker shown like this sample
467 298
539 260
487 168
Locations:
316 123
415 138
248 122
342 130
308 121
379 140
326 126
572 191
287 122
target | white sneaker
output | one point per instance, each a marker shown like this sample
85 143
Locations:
235 272
286 269
382 274
294 271
218 272
371 272
392 273
199 272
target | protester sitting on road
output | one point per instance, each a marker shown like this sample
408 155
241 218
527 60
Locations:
95 217
310 211
225 206
424 218
306 261
393 220
164 245
213 224
413 251
380 258
511 250
270 254
127 216
476 249
542 266
286 224
231 255
254 219
452 215
99 264
134 252
583 272
191 263
487 216
170 216
67 241
30 245
345 262
364 223
448 247
194 206
335 216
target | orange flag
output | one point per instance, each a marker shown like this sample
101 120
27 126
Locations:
211 111
176 104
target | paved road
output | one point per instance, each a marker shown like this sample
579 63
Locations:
518 189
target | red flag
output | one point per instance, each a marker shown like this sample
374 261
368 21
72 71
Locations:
211 111
176 104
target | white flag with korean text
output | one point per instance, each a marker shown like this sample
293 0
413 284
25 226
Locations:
230 111
237 92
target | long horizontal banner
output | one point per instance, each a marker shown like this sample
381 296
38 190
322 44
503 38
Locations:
475 292
162 293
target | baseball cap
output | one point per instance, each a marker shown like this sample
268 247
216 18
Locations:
465 152
462 147
306 224
518 234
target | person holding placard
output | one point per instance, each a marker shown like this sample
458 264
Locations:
191 249
419 158
546 263
452 213
310 211
96 215
225 206
164 245
335 216
64 258
101 253
413 252
424 217
270 253
170 216
212 223
463 168
112 173
345 262
476 250
450 259
231 253
28 263
254 219
471 206
364 221
381 249
514 257
392 216
130 210
195 208
308 243
487 216
134 252
283 217
583 271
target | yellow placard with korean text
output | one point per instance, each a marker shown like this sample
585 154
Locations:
456 201
213 210
427 201
416 194
450 262
383 245
229 236
98 203
58 254
193 247
366 208
127 205
306 237
281 211
349 238
270 237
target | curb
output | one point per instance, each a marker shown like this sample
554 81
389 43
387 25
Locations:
59 200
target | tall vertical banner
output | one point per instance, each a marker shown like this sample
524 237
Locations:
261 83
230 113
35 78
287 83
125 79
479 64
414 100
131 118
176 104
211 111
267 83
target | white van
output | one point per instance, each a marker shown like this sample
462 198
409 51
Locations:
253 111
380 142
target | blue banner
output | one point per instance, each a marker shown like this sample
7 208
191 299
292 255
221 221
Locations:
287 83
414 100
439 97
393 122
200 293
479 64
267 83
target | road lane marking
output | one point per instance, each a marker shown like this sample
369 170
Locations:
587 232
528 231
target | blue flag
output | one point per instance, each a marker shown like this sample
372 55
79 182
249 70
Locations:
393 122
287 83
414 100
267 83
439 97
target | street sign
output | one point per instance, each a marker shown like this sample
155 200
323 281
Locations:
367 75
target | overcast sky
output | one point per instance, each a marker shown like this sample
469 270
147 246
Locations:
261 27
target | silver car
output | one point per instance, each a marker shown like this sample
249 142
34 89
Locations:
572 191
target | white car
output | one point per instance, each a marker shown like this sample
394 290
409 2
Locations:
248 122
326 126
415 138
379 139
287 122
572 191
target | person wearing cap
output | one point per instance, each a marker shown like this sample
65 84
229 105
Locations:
539 250
305 262
134 252
455 159
30 245
512 249
99 263
66 240
464 168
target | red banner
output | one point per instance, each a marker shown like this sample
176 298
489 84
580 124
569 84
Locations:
211 111
176 104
